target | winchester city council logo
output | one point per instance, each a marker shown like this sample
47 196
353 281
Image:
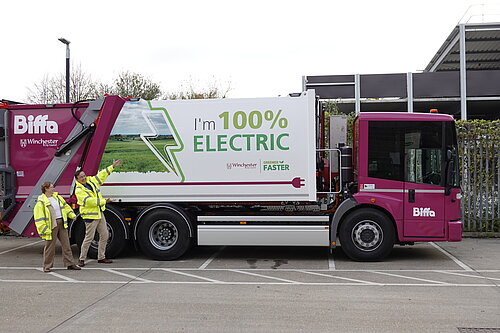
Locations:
241 165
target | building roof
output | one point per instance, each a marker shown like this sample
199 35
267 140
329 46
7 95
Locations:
482 48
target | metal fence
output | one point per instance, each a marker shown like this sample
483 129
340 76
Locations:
480 161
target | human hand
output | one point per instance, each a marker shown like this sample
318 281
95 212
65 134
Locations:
108 200
117 163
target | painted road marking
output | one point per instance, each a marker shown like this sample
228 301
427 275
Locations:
331 262
263 276
452 257
132 277
259 269
20 247
258 283
471 276
209 260
407 277
342 278
190 275
489 281
59 276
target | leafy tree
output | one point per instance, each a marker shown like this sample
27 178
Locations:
136 85
193 91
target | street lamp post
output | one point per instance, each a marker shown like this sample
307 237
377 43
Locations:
65 41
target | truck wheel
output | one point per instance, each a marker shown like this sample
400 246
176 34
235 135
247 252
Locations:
118 231
163 235
117 234
367 235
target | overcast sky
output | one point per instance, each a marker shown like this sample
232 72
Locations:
260 48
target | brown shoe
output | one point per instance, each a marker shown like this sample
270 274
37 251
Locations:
47 270
74 268
81 263
105 261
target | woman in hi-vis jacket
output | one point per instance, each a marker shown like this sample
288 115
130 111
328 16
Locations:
51 215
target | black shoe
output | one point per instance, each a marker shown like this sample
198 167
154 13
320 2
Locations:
47 270
81 263
74 268
105 261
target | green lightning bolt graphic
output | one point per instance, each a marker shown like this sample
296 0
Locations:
164 150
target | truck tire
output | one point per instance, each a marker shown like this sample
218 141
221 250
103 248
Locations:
367 235
163 234
117 234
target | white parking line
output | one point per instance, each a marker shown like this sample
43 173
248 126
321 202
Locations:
408 277
333 284
20 247
209 260
331 261
226 279
190 275
263 276
259 269
59 276
452 257
471 276
342 278
132 277
64 281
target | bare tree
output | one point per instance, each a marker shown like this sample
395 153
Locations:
43 92
53 90
84 87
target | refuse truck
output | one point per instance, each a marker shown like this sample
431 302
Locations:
239 172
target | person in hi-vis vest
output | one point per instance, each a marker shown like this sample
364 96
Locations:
51 214
92 207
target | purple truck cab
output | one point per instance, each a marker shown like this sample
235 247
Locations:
406 168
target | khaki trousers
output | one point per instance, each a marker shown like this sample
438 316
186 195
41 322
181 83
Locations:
90 229
59 232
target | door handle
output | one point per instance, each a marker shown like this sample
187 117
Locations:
411 195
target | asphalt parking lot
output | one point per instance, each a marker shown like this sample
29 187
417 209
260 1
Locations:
428 287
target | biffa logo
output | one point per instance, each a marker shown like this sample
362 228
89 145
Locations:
423 212
34 125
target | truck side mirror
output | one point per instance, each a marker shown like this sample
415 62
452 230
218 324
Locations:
449 170
449 155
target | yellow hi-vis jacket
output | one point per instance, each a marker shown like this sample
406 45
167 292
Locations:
91 202
43 219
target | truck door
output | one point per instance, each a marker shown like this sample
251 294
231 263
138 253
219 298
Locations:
424 213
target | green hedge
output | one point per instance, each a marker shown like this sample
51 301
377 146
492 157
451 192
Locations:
479 149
